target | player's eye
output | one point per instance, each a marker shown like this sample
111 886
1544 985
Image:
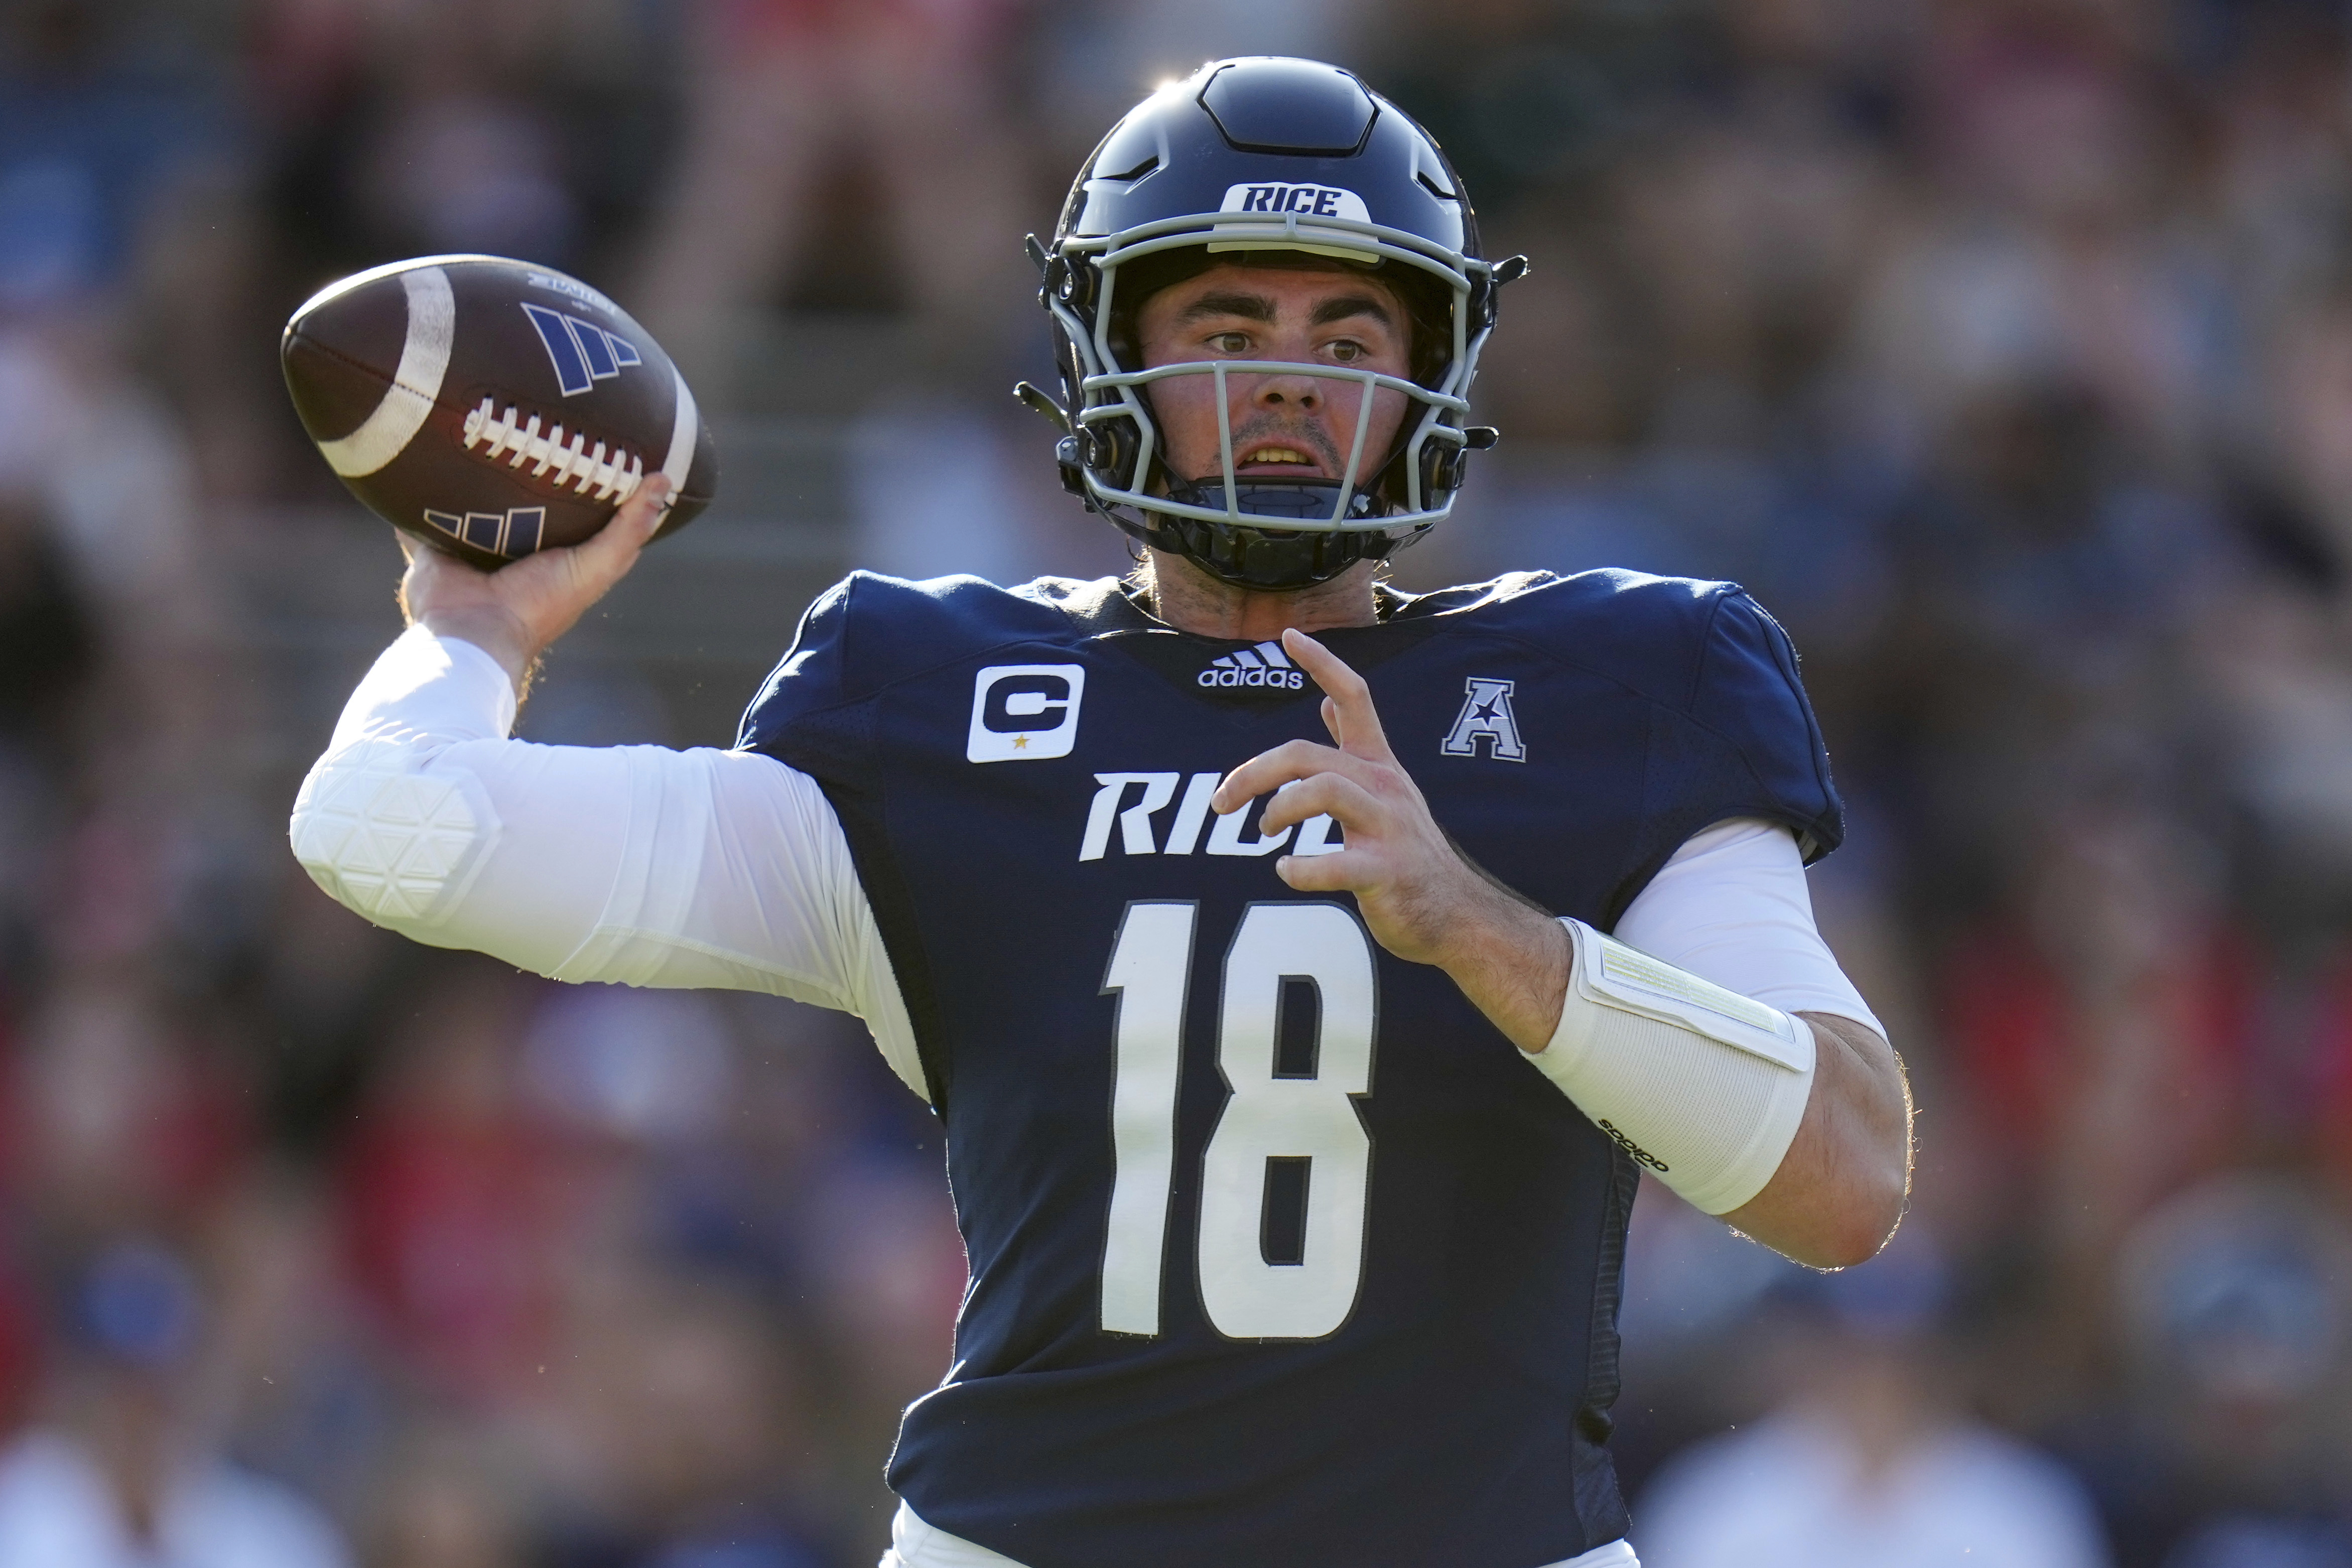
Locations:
1231 343
1347 350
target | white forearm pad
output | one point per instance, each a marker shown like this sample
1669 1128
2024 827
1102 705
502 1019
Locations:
1701 1085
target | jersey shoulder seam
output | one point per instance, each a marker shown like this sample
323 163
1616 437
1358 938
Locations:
1719 593
1706 647
977 652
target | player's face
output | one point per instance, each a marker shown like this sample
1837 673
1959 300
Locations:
1284 423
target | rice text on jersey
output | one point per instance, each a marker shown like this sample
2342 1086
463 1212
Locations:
1133 799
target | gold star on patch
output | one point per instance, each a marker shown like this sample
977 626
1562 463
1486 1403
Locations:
1020 743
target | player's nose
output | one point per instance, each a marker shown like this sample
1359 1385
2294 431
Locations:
1288 391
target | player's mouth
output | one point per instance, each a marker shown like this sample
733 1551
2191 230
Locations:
1272 458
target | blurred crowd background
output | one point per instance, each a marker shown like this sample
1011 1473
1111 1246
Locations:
2002 347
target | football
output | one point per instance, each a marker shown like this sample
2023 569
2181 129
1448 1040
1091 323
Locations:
493 407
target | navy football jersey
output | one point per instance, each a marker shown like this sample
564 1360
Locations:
1280 1252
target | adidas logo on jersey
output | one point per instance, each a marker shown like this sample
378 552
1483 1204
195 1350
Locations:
1264 665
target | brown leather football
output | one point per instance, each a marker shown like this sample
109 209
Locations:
490 406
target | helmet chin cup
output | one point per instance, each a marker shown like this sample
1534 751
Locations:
1270 556
1278 498
1256 155
1268 559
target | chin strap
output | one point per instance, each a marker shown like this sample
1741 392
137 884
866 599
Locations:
1271 558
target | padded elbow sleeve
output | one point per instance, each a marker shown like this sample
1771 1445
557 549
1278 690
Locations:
1703 1086
386 836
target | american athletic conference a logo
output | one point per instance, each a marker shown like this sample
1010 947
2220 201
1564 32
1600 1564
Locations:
1486 717
1263 666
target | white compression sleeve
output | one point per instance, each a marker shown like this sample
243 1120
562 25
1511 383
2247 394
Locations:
635 864
1732 907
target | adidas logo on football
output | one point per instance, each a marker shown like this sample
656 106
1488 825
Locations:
513 533
583 353
1264 665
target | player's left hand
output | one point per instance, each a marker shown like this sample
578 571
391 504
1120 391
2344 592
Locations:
1421 897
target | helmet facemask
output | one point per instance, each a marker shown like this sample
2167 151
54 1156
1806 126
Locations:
1265 530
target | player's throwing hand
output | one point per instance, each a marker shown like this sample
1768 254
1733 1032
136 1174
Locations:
515 613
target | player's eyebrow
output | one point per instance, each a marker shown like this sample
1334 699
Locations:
1249 307
1259 308
1341 306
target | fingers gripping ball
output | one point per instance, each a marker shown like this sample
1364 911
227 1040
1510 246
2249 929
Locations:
491 408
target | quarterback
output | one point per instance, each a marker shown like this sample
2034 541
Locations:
1304 972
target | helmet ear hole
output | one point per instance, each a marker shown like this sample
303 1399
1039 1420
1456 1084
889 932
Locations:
1442 468
1106 449
1444 465
1076 284
1109 448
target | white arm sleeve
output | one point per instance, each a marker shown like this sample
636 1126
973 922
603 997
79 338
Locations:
1732 907
635 864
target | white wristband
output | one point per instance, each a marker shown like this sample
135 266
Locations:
1703 1085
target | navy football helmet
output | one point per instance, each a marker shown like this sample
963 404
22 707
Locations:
1265 156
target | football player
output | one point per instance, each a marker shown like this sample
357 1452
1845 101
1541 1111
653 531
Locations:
1304 972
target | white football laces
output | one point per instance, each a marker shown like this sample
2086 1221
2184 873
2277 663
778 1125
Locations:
572 461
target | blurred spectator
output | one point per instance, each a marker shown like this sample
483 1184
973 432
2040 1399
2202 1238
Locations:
939 489
459 1202
1868 1463
872 143
301 1393
121 1472
50 646
46 639
2230 1438
445 1502
1098 59
427 125
102 134
2052 258
679 1426
121 1119
2097 1025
